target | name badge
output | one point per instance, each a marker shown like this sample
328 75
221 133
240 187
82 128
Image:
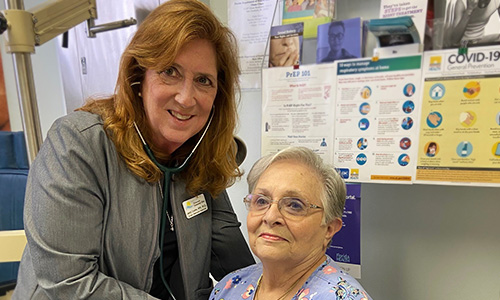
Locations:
195 206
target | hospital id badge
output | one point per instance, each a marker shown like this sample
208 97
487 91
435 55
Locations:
195 206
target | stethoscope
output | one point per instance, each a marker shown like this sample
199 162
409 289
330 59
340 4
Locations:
167 176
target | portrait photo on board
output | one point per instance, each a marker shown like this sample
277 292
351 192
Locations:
339 40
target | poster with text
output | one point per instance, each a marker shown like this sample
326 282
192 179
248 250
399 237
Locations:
376 113
250 21
417 9
297 109
460 127
346 244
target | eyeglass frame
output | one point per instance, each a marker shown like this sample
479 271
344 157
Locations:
308 204
337 36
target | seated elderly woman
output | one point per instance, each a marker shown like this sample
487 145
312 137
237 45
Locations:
291 237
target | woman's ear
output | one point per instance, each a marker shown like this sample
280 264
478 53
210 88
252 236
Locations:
332 228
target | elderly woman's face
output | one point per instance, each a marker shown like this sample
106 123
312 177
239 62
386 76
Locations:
275 238
178 100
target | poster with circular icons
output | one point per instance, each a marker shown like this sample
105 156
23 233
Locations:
361 159
364 124
459 134
496 149
468 118
407 123
364 108
405 143
409 90
366 92
472 89
408 107
404 160
434 119
431 149
437 91
464 149
362 144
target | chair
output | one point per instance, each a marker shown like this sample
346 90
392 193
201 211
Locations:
13 175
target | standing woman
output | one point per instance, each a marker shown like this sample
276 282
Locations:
126 198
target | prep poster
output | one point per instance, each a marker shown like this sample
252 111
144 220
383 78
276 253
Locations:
346 244
460 127
376 116
297 109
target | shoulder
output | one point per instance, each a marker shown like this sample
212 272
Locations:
78 121
78 134
239 282
346 54
329 279
79 125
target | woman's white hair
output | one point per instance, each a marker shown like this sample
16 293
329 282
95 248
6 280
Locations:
332 195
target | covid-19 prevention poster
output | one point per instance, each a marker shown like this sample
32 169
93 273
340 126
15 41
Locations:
460 122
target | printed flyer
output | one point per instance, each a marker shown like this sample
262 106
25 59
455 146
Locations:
297 109
250 21
376 116
346 244
460 127
417 9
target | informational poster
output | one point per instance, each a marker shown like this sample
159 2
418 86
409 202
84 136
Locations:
417 9
376 112
460 127
346 244
251 21
297 108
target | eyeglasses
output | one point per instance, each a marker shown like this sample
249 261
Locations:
288 206
337 36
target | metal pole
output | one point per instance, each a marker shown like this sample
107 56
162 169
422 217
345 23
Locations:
26 93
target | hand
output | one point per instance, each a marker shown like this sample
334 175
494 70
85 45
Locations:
471 6
290 58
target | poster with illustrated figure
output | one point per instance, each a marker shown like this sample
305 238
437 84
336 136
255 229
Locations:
297 109
376 119
460 122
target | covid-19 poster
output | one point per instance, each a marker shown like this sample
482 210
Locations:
460 122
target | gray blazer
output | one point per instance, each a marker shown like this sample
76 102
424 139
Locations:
93 226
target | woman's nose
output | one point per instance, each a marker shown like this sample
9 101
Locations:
185 94
273 215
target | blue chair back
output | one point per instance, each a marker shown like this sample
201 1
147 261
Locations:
13 175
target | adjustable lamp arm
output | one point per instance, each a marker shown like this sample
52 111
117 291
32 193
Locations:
27 29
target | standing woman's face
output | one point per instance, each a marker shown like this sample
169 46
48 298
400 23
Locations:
178 100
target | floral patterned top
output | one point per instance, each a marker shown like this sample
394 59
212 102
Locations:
328 281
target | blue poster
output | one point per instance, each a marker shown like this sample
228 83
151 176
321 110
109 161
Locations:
346 244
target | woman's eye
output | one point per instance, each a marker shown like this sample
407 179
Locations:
295 204
171 71
204 81
261 201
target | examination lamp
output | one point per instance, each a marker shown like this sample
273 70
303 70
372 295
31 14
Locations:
26 29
